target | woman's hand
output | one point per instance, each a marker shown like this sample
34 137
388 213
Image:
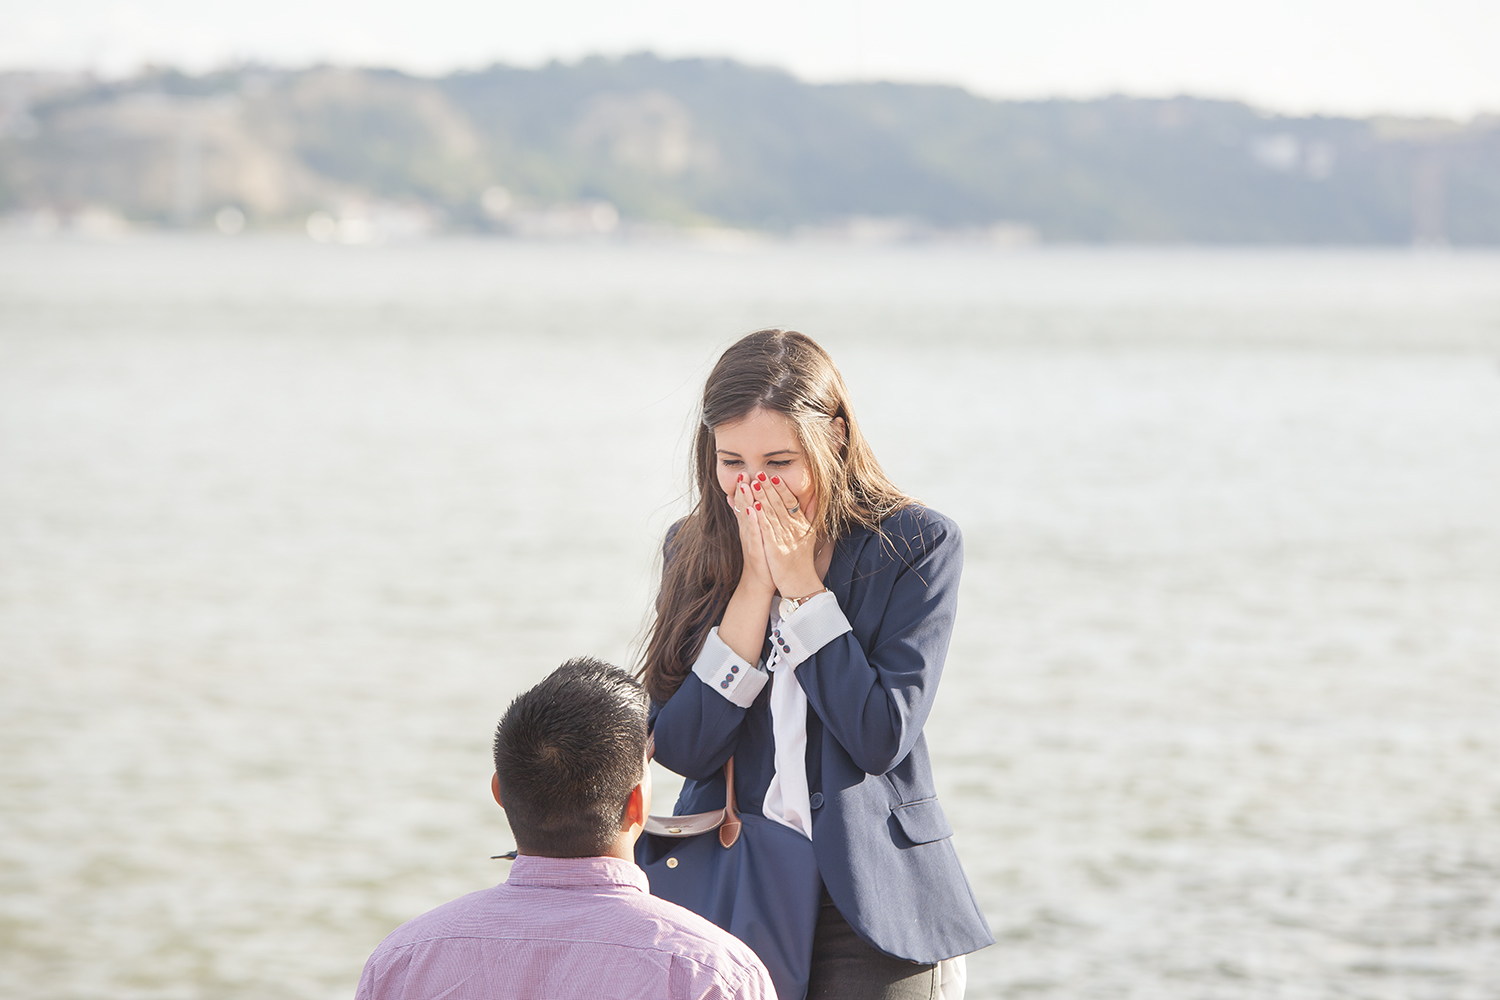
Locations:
788 536
743 627
756 575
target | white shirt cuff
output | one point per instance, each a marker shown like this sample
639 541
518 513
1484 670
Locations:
722 669
813 626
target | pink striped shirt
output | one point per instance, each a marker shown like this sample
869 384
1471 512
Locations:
563 928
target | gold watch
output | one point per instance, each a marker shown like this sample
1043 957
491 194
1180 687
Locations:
789 605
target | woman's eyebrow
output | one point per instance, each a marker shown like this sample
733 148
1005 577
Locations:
735 454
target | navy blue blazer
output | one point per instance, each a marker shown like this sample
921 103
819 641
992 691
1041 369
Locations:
883 844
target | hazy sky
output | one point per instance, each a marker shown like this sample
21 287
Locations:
1359 56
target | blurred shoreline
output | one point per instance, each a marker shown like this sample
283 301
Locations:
91 226
723 151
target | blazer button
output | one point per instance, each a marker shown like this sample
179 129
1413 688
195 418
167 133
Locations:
815 800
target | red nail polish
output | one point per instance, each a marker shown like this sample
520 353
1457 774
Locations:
762 477
757 486
740 478
757 506
776 480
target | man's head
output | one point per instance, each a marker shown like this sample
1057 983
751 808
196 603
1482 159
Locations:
570 760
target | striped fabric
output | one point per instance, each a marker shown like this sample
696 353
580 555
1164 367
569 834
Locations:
563 928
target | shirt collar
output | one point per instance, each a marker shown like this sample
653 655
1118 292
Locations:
576 873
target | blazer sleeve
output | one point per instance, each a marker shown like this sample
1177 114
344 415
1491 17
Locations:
696 730
874 695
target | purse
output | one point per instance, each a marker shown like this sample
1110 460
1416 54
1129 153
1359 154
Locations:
753 877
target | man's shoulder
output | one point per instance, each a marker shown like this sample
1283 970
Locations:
455 918
614 924
694 936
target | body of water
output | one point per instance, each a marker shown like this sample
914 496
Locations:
283 528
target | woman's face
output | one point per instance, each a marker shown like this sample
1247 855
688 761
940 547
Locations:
764 441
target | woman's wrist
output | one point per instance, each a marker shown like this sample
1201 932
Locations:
801 587
756 590
743 627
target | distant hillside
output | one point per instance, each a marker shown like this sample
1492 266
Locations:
574 148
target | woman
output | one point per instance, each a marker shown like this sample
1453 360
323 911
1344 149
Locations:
803 563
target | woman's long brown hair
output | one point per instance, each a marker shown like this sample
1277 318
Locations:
787 372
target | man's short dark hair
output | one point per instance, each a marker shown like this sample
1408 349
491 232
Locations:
568 753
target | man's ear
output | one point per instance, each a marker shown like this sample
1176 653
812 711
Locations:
635 808
495 789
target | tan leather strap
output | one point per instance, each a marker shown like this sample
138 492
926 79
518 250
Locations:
730 831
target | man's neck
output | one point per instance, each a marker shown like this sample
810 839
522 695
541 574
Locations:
623 848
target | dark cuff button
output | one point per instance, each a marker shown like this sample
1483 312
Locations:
723 684
815 800
734 668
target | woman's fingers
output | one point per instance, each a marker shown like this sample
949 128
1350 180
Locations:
744 507
771 506
752 535
772 534
790 541
788 502
792 529
742 500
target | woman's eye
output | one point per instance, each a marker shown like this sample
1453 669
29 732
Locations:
730 463
782 464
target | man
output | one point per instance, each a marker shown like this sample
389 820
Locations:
576 917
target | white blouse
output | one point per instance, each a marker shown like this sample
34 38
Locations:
816 623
